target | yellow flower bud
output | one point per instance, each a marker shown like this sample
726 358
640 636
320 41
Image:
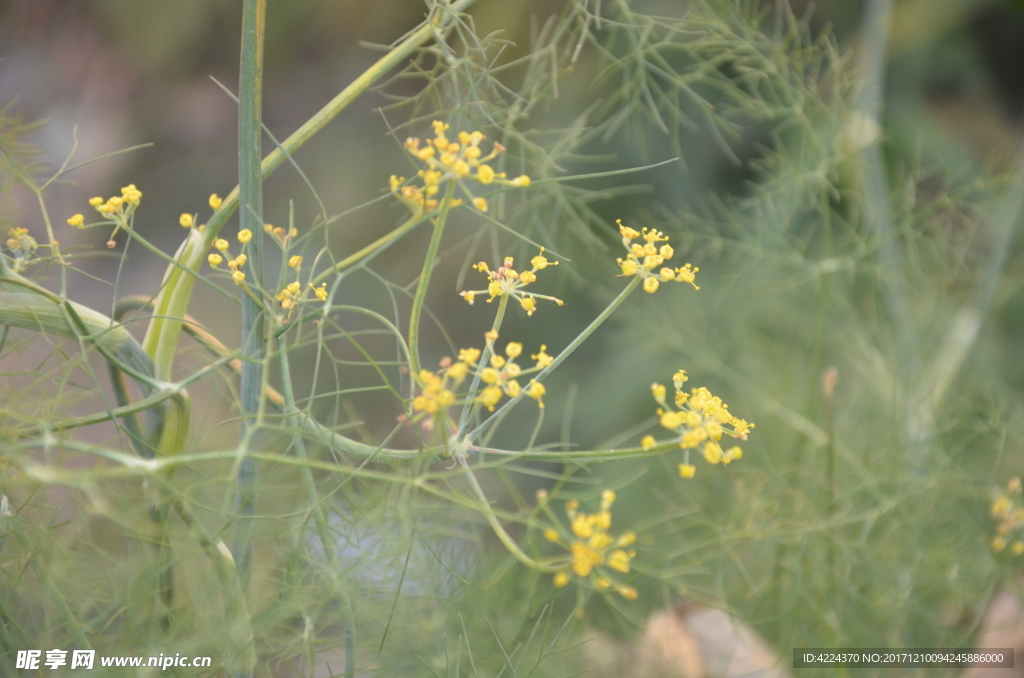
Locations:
244 236
185 220
77 221
485 174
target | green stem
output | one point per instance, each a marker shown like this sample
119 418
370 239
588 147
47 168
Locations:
484 357
251 218
597 322
495 524
428 270
377 244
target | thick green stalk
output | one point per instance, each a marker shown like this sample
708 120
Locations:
428 271
250 181
165 329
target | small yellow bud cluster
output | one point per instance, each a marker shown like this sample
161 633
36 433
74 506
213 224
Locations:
282 236
1007 510
117 209
288 295
644 258
701 421
235 264
506 281
291 295
592 549
448 160
21 246
501 376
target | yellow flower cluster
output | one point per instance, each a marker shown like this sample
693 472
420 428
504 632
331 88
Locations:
235 265
701 421
20 243
117 209
1007 509
291 294
437 390
644 258
501 376
21 246
506 281
592 549
448 160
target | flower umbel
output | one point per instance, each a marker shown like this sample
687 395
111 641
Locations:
592 550
21 246
1006 509
644 258
117 210
447 160
700 422
506 281
502 377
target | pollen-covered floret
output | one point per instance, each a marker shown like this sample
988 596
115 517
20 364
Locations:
449 160
700 422
592 550
506 281
643 258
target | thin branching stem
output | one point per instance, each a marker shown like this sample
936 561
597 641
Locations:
428 270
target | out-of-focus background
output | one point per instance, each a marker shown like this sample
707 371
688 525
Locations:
859 511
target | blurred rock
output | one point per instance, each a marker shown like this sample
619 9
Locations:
1002 626
691 642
